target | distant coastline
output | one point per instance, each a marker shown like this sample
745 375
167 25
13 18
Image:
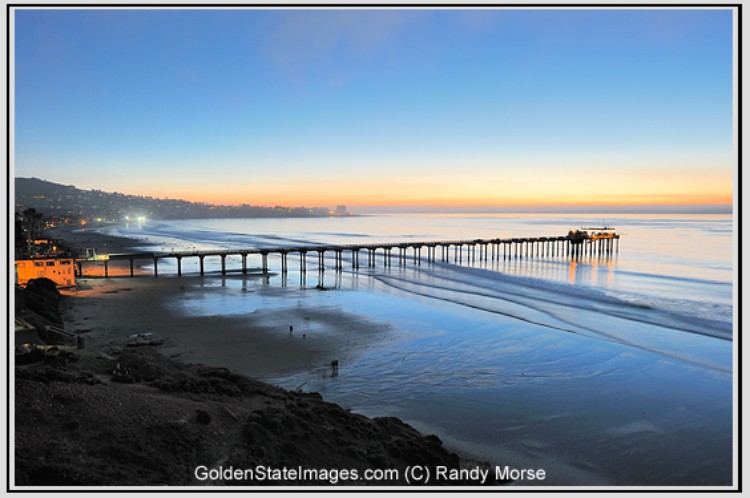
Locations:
71 205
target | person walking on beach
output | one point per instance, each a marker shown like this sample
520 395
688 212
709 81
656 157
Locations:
335 368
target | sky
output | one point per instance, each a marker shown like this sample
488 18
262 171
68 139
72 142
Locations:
379 107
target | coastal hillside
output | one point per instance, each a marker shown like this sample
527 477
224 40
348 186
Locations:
134 417
70 204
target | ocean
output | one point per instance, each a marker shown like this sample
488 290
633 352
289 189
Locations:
612 370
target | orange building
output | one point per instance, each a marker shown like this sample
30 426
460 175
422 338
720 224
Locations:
59 270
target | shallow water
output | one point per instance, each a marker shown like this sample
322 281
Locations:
602 371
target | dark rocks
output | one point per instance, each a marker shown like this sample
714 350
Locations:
154 420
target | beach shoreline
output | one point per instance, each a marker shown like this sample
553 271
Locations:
120 310
127 319
529 382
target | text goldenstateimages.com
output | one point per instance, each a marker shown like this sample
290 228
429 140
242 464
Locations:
415 474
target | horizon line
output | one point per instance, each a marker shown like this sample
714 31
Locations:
584 207
551 209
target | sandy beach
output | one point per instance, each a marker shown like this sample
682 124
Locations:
121 310
410 346
156 395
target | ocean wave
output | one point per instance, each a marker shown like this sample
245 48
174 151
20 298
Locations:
675 278
582 311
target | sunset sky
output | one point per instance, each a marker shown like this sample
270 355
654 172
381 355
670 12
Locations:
405 107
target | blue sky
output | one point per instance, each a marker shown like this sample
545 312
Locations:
393 106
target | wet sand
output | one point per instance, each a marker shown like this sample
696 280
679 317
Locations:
114 311
121 311
142 418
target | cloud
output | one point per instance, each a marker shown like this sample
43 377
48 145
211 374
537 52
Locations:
306 40
479 21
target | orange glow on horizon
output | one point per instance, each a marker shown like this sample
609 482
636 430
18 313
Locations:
332 201
511 189
515 187
452 184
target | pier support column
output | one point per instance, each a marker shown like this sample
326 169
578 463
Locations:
244 263
131 267
303 261
156 267
283 263
179 266
201 261
265 263
223 264
106 268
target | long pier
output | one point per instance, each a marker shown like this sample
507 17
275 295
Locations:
574 245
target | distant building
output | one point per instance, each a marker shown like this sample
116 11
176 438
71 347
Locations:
341 210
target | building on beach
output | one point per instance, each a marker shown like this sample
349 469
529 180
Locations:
59 270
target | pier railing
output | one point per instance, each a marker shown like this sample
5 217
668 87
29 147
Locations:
574 245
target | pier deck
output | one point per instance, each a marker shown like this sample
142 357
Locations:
574 245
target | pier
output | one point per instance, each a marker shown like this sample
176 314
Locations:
576 244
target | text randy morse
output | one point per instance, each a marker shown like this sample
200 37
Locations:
414 474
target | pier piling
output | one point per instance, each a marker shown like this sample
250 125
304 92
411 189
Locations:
600 243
